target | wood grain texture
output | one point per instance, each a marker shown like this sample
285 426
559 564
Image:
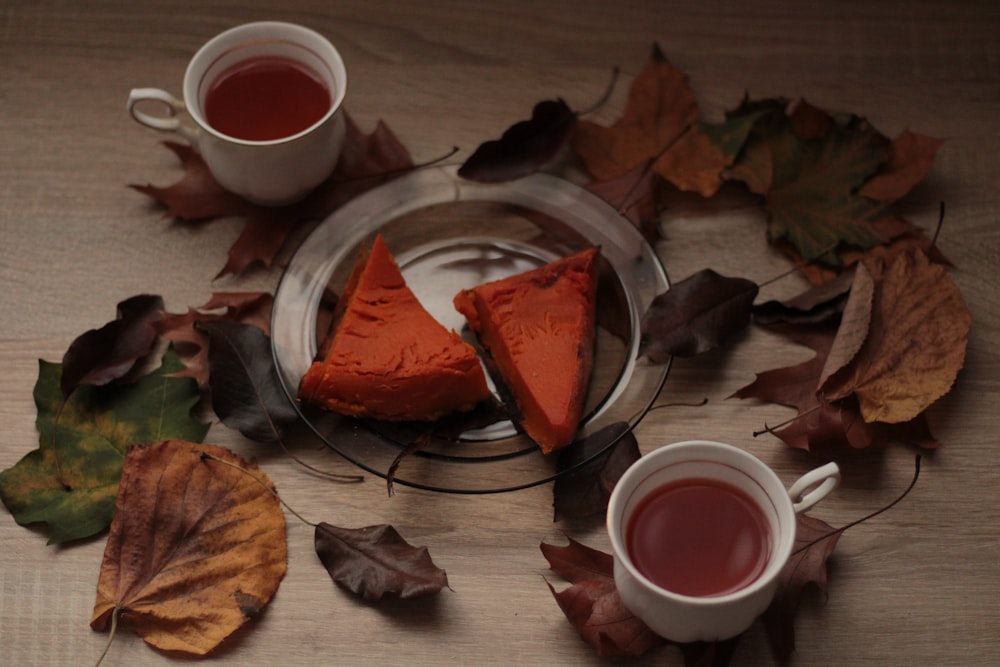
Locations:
917 586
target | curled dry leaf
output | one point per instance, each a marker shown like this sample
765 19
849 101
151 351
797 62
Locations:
696 315
524 147
818 304
102 355
374 561
192 345
915 345
196 548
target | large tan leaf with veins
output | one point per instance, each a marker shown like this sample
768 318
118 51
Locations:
196 547
916 341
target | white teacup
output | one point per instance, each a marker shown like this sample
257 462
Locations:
274 171
692 616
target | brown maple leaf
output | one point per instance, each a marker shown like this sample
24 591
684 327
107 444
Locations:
911 159
196 547
592 603
660 123
365 161
815 541
191 344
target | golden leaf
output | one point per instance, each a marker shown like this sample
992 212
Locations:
916 341
196 547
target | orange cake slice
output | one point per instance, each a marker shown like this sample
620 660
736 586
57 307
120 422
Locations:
539 328
389 358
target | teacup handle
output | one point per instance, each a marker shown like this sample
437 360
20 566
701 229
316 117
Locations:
813 486
167 123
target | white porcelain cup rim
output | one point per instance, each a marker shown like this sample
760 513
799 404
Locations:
671 613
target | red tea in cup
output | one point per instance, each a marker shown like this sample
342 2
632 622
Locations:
699 537
265 98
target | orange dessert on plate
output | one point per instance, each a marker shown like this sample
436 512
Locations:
389 358
539 328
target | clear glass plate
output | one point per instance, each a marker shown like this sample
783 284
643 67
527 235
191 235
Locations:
448 234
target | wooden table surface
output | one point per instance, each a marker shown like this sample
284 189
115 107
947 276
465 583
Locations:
919 585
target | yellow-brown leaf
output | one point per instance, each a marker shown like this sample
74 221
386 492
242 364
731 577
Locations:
916 342
196 547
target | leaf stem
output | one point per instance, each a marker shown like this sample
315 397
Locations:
602 100
206 456
872 515
111 635
770 429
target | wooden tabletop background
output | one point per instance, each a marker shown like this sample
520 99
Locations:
919 585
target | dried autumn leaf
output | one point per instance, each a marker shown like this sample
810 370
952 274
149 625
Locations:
660 123
696 315
192 345
816 305
606 455
99 356
633 194
246 392
525 147
822 426
915 345
809 166
910 161
807 566
196 549
365 161
855 324
592 603
374 561
70 481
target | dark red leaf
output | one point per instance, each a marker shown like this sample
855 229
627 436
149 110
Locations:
592 603
525 147
366 161
806 566
246 392
634 195
99 356
695 315
818 304
375 561
586 490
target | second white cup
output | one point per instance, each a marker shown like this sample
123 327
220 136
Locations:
722 500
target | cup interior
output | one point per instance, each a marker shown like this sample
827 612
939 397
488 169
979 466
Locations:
254 40
704 460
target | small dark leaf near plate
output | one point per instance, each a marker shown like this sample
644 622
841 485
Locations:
375 561
585 490
697 314
525 147
99 356
246 392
